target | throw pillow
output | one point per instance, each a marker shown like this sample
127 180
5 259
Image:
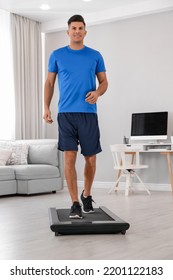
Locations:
20 154
4 156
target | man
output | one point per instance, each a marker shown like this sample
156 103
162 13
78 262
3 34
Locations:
77 67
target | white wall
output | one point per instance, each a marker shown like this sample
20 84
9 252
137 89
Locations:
138 54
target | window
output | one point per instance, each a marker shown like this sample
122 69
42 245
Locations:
7 119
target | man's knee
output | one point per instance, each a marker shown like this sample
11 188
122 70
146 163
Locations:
91 161
70 158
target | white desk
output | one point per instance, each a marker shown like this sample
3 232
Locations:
151 147
162 148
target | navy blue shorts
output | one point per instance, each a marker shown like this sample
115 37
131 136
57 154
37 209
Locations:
79 129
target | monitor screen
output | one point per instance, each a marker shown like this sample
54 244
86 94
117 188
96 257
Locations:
148 126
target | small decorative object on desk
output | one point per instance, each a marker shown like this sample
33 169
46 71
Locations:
125 140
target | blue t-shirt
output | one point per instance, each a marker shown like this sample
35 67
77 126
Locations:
76 71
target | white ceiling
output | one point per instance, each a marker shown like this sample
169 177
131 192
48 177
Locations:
94 11
61 9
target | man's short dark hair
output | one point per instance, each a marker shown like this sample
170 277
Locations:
76 18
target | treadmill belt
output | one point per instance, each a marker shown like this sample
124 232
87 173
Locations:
97 215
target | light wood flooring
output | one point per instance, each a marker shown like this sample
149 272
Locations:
25 232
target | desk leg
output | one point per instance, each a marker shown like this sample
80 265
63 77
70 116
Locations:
170 169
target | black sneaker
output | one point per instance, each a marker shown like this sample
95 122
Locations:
76 211
87 203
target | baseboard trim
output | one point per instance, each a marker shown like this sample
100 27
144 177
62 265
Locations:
108 185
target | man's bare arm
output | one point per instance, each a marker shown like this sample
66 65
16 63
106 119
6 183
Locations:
48 93
92 96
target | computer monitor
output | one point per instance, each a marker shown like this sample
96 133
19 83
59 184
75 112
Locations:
149 126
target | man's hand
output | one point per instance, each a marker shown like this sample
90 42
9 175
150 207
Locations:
92 97
47 116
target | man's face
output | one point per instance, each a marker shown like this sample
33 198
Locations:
76 32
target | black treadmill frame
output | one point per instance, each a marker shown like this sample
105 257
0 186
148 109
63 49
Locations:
117 225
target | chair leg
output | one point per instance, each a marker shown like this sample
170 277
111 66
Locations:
143 184
128 184
115 187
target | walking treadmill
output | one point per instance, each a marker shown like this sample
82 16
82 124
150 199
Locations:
101 221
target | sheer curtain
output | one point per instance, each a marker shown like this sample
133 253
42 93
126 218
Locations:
26 45
7 114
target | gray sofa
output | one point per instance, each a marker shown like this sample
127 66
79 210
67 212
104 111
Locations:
41 171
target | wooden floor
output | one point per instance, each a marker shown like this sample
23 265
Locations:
25 232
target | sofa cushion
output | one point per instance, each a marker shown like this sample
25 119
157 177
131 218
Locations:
43 154
6 173
4 156
35 171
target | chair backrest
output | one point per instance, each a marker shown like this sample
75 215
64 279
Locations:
124 155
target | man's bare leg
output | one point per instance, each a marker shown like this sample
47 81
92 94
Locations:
70 173
89 173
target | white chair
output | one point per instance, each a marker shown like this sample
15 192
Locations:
126 161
